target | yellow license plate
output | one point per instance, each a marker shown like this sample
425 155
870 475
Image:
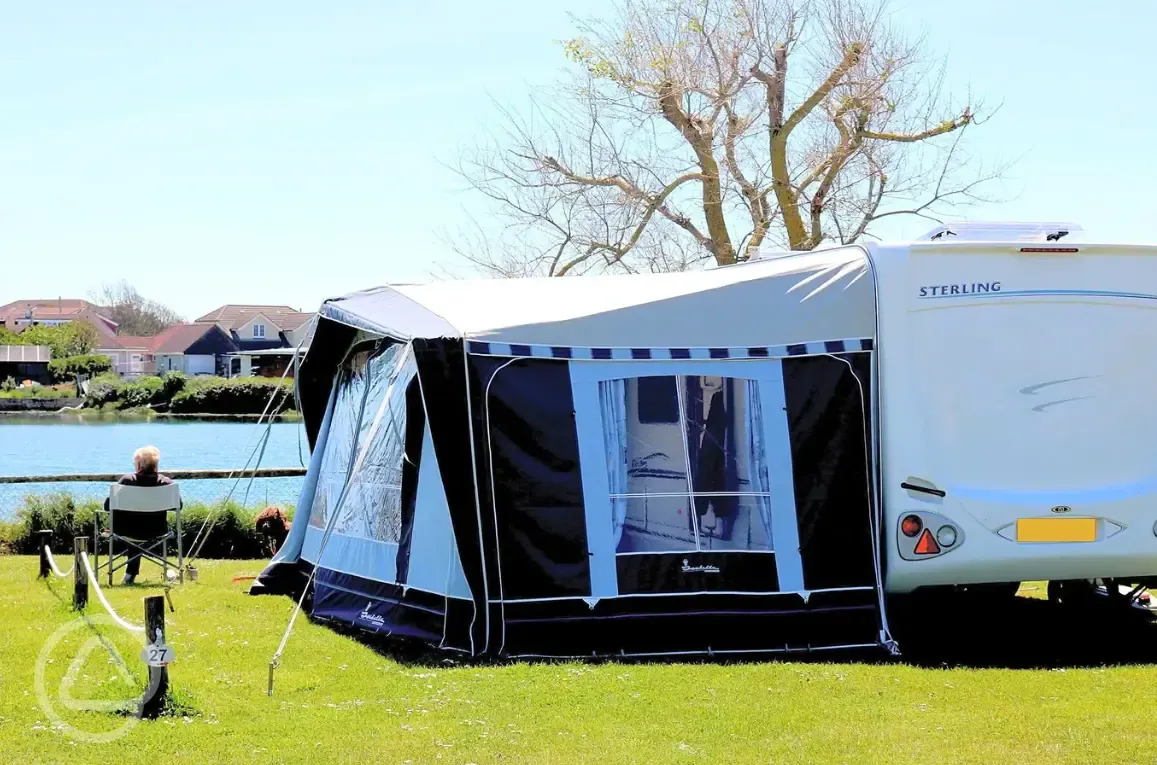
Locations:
1056 530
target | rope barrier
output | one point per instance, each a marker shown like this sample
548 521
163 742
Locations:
52 564
103 601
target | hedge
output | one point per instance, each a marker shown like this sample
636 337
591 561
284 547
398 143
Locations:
239 395
182 394
144 391
232 536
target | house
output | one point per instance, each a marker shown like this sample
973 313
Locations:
25 362
267 337
195 349
131 356
21 314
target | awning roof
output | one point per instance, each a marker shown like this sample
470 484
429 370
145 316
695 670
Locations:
811 297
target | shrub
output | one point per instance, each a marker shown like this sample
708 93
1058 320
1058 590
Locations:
174 383
232 535
36 391
74 366
103 389
142 392
9 384
240 395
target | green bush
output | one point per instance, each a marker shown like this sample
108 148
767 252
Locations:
232 535
239 395
69 368
103 389
36 391
174 383
142 392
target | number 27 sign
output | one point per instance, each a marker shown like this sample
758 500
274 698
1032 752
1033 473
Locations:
158 655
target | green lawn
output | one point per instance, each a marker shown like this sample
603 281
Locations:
339 701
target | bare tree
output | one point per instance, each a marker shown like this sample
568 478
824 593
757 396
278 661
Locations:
692 131
134 313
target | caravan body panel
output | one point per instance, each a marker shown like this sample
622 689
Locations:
1018 398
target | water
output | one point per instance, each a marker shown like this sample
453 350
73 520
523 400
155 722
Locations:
54 445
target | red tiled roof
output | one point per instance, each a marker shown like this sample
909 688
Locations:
126 342
234 316
50 310
178 337
175 339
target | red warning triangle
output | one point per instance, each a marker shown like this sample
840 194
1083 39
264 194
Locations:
927 544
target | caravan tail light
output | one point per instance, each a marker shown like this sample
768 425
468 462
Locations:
911 525
927 545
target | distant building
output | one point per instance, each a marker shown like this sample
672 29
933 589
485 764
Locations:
267 337
131 356
25 362
19 315
195 349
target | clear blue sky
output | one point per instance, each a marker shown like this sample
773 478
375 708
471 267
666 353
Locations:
285 151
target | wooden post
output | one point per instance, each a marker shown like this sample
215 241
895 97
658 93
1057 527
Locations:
79 575
45 539
154 699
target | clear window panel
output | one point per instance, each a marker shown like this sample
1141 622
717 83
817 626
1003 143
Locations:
734 522
655 524
718 434
372 508
643 457
686 463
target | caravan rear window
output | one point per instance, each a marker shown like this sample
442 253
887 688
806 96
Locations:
693 479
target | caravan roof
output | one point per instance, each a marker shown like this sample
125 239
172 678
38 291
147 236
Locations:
764 302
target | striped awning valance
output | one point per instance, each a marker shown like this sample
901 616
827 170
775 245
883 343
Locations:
665 354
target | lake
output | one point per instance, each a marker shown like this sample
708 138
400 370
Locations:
62 444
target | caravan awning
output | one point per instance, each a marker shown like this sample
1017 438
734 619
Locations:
805 298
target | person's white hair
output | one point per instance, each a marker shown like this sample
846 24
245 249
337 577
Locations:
146 459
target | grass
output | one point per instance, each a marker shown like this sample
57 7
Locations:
337 700
66 390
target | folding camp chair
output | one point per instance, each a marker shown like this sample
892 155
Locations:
138 519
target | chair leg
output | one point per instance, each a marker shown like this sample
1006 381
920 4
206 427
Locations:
180 551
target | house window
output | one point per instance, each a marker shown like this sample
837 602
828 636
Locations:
258 331
694 481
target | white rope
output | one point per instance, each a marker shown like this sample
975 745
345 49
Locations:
52 564
103 601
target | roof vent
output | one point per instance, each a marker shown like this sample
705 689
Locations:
978 231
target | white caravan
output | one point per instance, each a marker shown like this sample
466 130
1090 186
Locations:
1016 407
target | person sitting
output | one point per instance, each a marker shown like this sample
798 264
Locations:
145 463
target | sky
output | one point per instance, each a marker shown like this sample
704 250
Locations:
287 152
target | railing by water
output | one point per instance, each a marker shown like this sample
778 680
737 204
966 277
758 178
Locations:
261 486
